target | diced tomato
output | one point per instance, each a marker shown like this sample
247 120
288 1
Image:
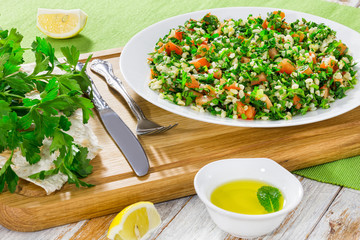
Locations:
244 60
342 48
282 14
198 44
296 102
313 56
161 49
197 94
306 70
152 74
301 36
201 100
200 62
249 112
326 91
253 18
193 84
211 91
272 53
261 78
203 49
266 99
286 66
217 73
240 108
268 102
222 81
247 98
170 46
178 34
338 80
285 25
217 31
327 62
232 86
265 24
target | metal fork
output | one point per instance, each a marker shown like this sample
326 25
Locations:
144 125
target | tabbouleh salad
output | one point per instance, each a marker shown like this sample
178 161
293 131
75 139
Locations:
252 69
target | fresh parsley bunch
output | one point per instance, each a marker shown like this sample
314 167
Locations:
25 122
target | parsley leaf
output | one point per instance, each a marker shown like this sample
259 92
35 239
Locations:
8 176
269 198
71 54
25 120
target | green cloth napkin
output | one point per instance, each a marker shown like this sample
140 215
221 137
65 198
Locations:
345 172
112 23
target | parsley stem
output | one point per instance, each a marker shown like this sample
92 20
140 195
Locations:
13 95
19 107
45 76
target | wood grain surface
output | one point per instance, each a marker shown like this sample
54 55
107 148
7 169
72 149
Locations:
175 157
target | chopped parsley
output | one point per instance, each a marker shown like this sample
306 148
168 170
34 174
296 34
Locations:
255 68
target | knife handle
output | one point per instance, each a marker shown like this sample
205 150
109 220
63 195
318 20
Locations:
104 69
98 101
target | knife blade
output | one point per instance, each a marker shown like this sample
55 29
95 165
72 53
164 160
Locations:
119 131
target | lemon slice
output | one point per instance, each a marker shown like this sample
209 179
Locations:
60 24
134 222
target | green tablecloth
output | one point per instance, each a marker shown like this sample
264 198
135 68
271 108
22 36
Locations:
112 23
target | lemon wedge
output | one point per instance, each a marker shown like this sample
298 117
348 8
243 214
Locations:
61 24
135 222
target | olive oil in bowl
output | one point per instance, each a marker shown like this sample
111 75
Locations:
240 196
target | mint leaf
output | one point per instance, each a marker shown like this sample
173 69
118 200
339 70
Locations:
269 198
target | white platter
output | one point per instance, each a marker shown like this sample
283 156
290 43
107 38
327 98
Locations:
134 67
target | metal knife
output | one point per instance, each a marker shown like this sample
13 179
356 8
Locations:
120 133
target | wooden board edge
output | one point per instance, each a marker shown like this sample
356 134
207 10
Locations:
29 219
108 53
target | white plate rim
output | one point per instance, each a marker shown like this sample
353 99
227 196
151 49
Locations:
340 106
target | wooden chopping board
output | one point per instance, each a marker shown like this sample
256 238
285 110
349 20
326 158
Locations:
175 157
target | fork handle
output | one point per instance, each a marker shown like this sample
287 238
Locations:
104 69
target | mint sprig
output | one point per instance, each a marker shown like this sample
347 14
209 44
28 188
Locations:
269 198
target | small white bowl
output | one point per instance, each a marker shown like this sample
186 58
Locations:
217 173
